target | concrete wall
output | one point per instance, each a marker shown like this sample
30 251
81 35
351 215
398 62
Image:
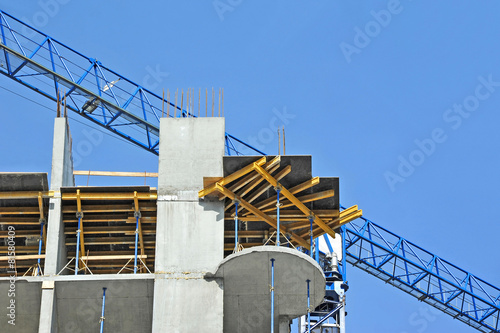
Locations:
27 306
190 231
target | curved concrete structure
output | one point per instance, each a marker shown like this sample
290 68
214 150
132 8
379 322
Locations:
247 280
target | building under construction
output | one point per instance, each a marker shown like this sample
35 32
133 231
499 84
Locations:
225 243
227 237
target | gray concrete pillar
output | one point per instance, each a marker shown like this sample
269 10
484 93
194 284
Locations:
189 230
55 249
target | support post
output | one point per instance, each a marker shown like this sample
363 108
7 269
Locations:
308 307
311 218
278 233
103 307
79 215
236 241
344 263
316 250
272 295
137 215
40 242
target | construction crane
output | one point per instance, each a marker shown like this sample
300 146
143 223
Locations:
110 100
95 92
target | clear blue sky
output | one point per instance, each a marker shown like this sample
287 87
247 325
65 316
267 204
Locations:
358 102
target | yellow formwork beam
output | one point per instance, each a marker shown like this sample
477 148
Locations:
42 217
345 216
25 195
110 196
232 177
258 213
296 202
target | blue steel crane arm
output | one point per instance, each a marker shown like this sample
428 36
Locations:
41 63
422 274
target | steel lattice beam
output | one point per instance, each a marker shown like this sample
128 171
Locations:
92 90
422 274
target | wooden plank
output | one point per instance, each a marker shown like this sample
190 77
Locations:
149 206
109 196
20 249
126 230
113 257
232 177
24 257
21 233
246 233
20 210
115 173
109 218
109 240
230 246
150 254
20 220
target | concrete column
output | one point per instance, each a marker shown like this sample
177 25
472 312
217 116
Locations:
189 230
55 250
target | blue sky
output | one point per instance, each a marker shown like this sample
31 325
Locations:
403 107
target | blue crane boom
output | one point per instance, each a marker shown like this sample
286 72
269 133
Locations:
422 274
92 90
108 99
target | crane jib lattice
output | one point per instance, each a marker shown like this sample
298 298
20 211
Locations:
91 89
422 274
